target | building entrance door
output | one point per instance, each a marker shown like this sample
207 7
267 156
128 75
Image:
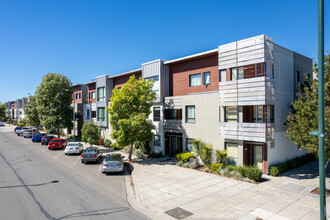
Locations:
257 156
173 144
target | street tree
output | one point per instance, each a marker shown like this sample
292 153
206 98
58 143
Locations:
31 112
129 110
304 116
90 133
3 116
53 98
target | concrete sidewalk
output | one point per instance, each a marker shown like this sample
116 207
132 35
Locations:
171 192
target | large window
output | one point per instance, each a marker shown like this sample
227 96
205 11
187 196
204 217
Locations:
231 114
207 78
233 74
156 113
190 114
101 114
101 94
195 80
189 144
173 114
91 95
240 73
157 140
257 113
222 75
78 95
232 150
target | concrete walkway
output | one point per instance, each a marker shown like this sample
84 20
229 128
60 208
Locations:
168 190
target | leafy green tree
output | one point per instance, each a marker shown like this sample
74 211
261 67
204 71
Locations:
304 117
3 115
31 112
129 110
90 133
53 98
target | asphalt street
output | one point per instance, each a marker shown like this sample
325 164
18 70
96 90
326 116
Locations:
36 183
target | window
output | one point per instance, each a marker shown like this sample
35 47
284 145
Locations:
271 114
189 145
173 114
91 95
77 96
101 94
240 72
190 114
206 78
233 74
222 76
257 113
88 112
195 80
155 78
156 113
101 114
231 114
157 141
232 150
93 114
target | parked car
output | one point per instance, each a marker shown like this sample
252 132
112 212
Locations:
113 163
2 124
56 143
73 148
19 132
37 137
46 139
91 154
28 133
17 128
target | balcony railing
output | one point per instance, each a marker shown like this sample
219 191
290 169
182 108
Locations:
171 125
260 132
252 91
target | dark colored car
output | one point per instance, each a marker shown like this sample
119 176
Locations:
57 143
17 128
91 154
45 140
37 137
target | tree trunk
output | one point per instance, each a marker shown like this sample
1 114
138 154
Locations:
130 153
58 132
38 125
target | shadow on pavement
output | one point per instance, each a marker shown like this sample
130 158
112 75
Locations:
308 171
38 184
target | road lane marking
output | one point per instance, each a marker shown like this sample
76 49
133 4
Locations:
57 155
98 173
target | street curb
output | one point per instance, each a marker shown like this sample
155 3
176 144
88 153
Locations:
133 198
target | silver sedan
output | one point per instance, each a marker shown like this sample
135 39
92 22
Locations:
113 163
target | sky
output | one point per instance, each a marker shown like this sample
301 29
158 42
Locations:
84 39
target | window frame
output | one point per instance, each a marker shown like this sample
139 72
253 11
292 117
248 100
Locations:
99 98
200 81
231 73
225 71
204 73
226 119
98 114
154 115
159 140
226 148
190 120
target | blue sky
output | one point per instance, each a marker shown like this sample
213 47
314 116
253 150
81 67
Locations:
84 39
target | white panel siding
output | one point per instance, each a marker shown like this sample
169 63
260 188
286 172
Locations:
260 132
173 102
253 91
151 69
244 52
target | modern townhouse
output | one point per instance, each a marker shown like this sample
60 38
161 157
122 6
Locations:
15 109
89 114
79 98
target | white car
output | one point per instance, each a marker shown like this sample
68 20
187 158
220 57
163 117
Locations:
2 124
73 148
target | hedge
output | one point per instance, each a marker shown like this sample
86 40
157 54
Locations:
279 168
185 157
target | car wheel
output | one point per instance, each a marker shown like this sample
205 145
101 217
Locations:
82 161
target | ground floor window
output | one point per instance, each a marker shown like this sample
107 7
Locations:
231 114
157 140
232 150
189 145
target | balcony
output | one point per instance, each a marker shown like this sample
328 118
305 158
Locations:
260 132
172 125
252 91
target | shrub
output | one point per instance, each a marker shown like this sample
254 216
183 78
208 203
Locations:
116 146
107 143
155 155
224 172
242 170
197 147
179 163
207 154
143 146
254 173
216 166
185 157
101 141
231 167
274 171
237 175
221 156
186 165
139 153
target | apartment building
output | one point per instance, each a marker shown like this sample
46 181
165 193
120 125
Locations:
89 113
15 109
79 98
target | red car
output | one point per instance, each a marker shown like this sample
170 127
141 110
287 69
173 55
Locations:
56 144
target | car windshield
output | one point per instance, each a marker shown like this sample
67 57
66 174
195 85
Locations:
113 157
70 144
90 150
55 141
